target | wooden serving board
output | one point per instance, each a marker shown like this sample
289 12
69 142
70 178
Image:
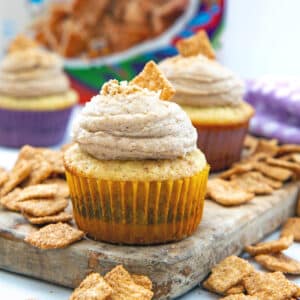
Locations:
174 268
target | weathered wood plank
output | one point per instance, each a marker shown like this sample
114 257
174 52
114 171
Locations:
174 268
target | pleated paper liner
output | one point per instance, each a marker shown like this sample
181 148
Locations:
222 146
36 128
138 212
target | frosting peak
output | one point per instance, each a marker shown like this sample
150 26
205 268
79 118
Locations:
202 82
127 122
32 72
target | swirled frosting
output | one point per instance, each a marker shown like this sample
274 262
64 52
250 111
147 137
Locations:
32 73
126 122
202 82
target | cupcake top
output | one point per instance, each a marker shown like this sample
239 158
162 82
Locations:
198 79
130 122
32 72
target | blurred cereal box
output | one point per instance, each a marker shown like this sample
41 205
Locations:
103 39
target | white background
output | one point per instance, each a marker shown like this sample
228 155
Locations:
261 37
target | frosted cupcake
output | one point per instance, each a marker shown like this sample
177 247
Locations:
35 98
212 96
135 173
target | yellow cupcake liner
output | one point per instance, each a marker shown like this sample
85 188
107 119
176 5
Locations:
138 212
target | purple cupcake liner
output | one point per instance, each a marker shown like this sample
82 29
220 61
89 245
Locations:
36 128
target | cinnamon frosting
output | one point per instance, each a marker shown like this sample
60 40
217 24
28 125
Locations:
32 72
126 122
202 82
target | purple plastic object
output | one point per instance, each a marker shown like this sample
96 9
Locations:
36 128
277 105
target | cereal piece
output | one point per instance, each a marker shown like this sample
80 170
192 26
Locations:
252 182
142 280
55 158
269 286
237 169
19 173
65 147
196 44
21 42
93 287
42 166
236 289
275 184
270 247
227 274
10 201
250 143
227 193
295 157
240 297
298 206
124 287
295 167
74 39
60 217
43 207
41 170
3 176
279 262
270 147
260 156
38 191
288 148
62 187
276 173
292 227
54 236
152 78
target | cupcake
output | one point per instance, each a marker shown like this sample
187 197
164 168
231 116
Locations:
134 172
35 98
212 96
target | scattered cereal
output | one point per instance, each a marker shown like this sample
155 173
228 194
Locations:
269 286
270 147
43 207
3 176
279 262
240 297
227 193
237 169
288 148
54 236
227 274
60 217
276 173
142 280
124 287
295 167
252 182
62 186
38 191
271 246
93 287
10 201
236 289
19 173
292 227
